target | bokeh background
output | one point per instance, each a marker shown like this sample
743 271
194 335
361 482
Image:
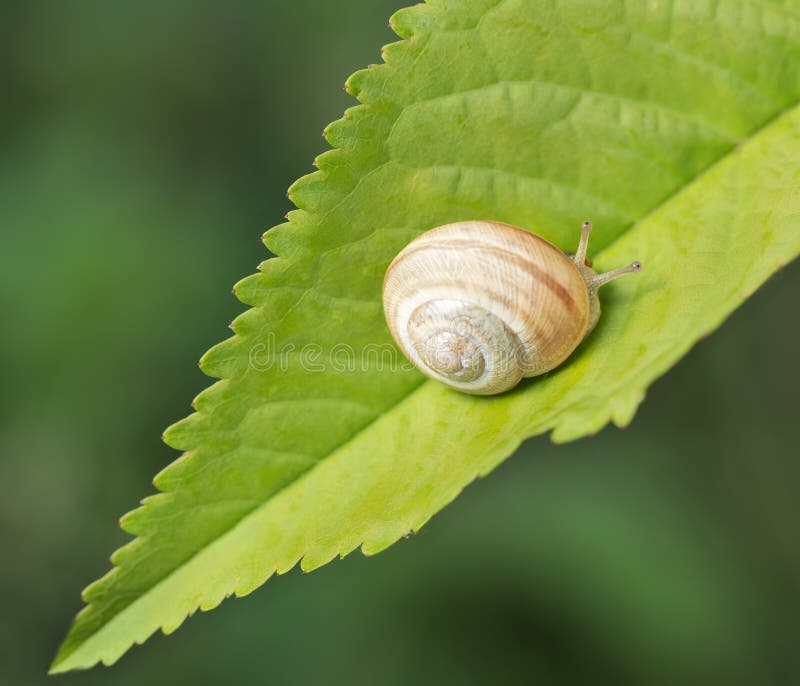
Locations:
145 148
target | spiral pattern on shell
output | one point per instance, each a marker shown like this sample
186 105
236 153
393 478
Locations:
478 305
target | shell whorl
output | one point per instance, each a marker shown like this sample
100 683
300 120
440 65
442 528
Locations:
478 305
466 345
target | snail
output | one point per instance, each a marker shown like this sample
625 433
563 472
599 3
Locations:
478 305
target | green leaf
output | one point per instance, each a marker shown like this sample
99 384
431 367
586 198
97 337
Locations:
674 126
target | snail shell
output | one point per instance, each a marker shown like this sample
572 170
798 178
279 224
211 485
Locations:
478 305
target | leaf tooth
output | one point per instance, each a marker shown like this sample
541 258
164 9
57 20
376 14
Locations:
134 522
175 473
210 602
98 588
129 552
289 561
368 86
211 396
310 561
580 421
139 521
252 290
109 658
409 21
331 160
247 322
377 545
359 139
294 216
285 240
187 433
313 194
394 53
355 85
246 585
340 133
624 406
259 289
172 624
224 361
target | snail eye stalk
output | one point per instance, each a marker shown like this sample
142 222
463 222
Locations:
601 279
580 254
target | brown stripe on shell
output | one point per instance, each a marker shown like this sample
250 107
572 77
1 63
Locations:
464 244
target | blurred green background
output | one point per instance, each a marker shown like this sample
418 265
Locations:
145 148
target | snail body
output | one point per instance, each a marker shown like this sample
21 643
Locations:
479 305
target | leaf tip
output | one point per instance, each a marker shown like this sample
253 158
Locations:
57 667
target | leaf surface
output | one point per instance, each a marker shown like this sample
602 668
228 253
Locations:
674 126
